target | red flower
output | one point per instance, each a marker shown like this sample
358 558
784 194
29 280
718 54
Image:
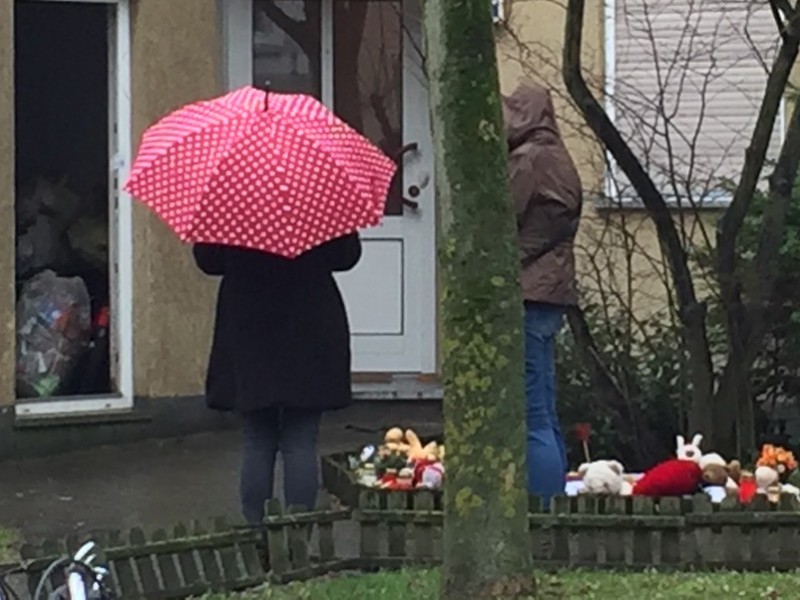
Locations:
582 431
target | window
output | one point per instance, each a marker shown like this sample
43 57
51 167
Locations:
685 79
347 53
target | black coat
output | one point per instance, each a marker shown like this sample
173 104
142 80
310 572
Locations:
281 337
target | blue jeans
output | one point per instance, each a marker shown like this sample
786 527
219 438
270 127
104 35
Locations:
293 433
547 456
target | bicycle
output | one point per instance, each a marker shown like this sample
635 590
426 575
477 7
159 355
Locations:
84 573
6 591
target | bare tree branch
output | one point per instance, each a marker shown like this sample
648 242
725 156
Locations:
773 227
301 32
645 443
745 323
755 155
691 311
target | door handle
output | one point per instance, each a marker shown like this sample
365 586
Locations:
411 147
412 204
413 190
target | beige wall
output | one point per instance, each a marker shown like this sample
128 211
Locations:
530 45
7 327
175 59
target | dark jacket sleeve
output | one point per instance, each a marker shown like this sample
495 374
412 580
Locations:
341 254
210 258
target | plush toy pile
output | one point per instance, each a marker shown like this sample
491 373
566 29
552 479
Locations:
401 463
690 472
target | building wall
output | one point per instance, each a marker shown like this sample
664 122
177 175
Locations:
173 304
7 322
176 58
529 46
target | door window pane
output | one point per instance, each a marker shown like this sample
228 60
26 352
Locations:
286 45
368 76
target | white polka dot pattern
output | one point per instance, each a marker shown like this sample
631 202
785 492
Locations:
283 180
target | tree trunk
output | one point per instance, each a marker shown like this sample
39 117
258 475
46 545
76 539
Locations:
486 543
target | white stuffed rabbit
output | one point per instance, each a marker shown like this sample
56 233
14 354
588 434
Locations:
691 451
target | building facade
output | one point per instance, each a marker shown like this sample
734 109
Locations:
80 80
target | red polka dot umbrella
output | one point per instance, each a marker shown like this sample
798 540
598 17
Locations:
273 172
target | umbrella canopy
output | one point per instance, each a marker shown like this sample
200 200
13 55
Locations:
274 172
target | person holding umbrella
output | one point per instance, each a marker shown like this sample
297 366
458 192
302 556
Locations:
280 357
271 189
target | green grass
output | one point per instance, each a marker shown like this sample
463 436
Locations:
9 546
423 585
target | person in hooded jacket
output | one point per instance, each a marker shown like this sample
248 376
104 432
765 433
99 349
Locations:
280 357
547 195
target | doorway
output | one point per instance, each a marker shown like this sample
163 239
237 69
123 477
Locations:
69 140
363 59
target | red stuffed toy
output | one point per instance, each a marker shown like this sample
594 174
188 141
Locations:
674 477
748 488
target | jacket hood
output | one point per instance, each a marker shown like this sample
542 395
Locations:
529 115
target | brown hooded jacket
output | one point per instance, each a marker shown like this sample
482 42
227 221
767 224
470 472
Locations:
547 194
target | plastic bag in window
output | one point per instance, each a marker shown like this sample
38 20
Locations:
53 330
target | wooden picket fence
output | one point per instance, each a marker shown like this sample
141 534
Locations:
597 532
587 531
395 529
190 561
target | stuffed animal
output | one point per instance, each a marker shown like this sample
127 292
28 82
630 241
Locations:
604 477
712 458
407 443
691 451
748 487
418 452
718 480
713 467
394 441
777 458
674 477
429 475
773 469
394 436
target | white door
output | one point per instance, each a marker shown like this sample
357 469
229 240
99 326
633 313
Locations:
363 58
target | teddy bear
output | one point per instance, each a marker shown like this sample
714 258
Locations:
604 477
409 444
713 466
720 481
